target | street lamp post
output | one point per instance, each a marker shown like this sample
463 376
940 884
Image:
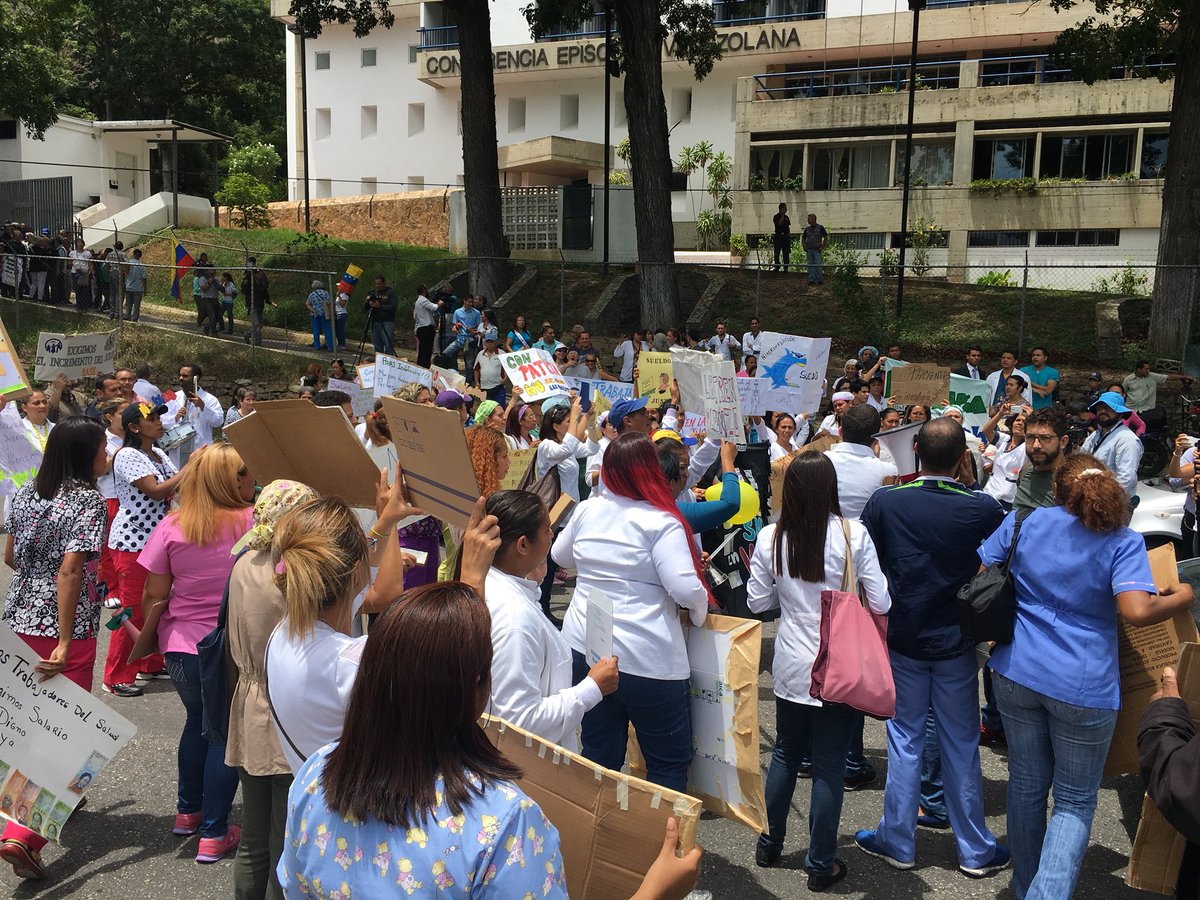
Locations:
296 29
607 125
915 6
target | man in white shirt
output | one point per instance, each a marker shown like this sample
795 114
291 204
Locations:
144 388
627 352
196 406
860 473
1141 386
752 340
1113 443
876 399
1008 365
722 343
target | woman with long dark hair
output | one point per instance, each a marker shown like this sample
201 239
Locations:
519 427
809 551
633 546
55 531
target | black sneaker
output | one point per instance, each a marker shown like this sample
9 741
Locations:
765 857
122 690
818 882
862 778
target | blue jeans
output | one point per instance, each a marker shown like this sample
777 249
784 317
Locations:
382 336
226 313
989 716
815 265
828 731
949 687
322 326
339 330
206 784
1059 745
661 717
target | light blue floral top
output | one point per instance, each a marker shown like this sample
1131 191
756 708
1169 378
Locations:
501 846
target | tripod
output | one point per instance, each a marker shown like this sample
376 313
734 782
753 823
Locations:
366 333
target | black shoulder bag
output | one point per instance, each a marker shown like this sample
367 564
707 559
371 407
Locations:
987 604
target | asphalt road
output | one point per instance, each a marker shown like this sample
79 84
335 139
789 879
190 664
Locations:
121 844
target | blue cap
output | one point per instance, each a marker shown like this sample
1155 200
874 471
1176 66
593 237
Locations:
1112 400
623 408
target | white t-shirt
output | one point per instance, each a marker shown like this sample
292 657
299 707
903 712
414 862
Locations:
566 456
105 483
1006 466
138 515
309 680
625 353
860 473
752 344
490 370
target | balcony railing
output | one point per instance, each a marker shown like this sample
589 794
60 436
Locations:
588 28
945 4
732 13
442 37
999 71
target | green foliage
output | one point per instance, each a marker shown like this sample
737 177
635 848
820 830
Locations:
997 279
35 71
738 245
312 242
1133 352
889 263
623 151
365 15
258 159
1128 282
247 197
1126 34
923 235
616 176
998 187
712 228
871 317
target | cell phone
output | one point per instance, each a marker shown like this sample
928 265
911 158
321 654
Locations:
195 384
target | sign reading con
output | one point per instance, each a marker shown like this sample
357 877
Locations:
535 373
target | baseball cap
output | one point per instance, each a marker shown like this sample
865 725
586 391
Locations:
450 400
491 334
1095 376
45 232
623 408
1112 400
135 412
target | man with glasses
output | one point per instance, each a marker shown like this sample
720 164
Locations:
1046 441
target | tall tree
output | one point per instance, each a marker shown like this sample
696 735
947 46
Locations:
35 61
642 29
1135 34
486 245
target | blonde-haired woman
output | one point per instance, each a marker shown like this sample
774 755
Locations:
188 561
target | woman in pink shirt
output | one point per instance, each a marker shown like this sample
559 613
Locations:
188 558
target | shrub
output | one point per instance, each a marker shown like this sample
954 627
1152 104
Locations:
247 198
738 245
997 279
1127 282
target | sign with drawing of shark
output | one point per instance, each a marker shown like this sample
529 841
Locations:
795 367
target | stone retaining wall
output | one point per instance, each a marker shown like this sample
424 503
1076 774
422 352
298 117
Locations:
414 217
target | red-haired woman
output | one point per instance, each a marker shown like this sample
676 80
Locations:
633 546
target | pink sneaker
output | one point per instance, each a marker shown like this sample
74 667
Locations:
186 823
213 849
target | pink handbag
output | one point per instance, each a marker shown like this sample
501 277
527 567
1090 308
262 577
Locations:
852 665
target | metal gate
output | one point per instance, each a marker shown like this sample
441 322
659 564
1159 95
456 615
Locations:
577 216
39 203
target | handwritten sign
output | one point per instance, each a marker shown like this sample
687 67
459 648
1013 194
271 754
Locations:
77 356
918 383
13 382
654 377
722 409
752 394
365 375
55 740
794 368
535 373
447 379
19 458
972 396
360 401
391 374
519 462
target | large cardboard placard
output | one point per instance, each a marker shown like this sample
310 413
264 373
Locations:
654 377
432 447
795 368
19 458
916 383
14 383
311 444
361 400
1158 848
519 462
55 739
610 825
1142 654
77 356
534 372
391 374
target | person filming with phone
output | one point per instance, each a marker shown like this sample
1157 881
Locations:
194 405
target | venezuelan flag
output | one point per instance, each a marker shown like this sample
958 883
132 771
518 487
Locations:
183 262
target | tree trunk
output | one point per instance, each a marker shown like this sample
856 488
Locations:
1179 232
640 25
486 247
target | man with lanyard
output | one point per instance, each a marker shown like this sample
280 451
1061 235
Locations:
1114 444
195 405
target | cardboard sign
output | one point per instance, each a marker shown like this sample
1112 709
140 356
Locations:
603 394
391 374
55 740
446 379
1142 654
365 376
314 445
14 384
654 378
77 356
912 384
610 825
361 401
752 395
1158 848
519 462
794 367
432 447
534 372
19 458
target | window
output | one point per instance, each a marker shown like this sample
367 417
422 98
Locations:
998 239
516 114
1003 158
369 186
368 57
1154 154
932 162
568 111
853 166
1090 156
369 117
770 165
416 118
416 182
870 240
323 126
679 181
618 107
1085 237
324 187
8 129
681 106
1008 71
321 60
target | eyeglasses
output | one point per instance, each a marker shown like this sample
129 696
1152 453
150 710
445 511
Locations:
1040 438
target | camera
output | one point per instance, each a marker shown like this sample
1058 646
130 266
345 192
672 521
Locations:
367 308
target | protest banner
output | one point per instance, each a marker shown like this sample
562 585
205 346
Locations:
361 400
77 356
693 425
446 379
707 383
972 396
519 462
19 458
391 374
1142 654
433 453
603 394
917 383
752 394
314 445
14 384
534 372
610 825
794 368
55 740
688 368
654 378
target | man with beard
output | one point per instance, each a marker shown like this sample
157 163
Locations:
1113 443
1045 452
